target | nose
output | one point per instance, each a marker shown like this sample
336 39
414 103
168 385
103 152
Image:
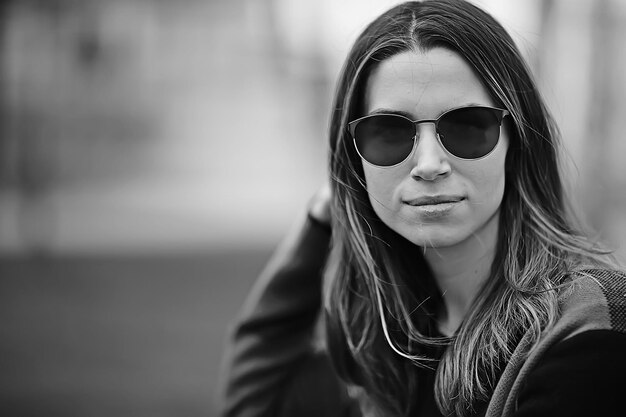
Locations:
430 160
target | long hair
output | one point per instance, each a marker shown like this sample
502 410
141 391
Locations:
380 296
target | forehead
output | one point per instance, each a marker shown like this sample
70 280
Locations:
424 83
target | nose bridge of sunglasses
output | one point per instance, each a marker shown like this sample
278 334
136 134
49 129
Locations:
426 127
427 138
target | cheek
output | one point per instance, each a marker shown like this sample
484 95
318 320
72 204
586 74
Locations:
488 183
489 176
381 186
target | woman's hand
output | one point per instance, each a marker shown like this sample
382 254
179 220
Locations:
319 206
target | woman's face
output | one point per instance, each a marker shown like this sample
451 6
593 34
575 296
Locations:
434 199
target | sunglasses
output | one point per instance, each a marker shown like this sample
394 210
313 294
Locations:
386 140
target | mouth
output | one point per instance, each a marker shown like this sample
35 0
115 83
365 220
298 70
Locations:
434 200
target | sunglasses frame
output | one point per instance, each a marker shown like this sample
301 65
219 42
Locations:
353 124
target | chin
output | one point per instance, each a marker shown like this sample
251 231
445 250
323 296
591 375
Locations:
434 242
434 239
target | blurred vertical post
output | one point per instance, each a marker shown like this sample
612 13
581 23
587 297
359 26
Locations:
598 183
4 5
5 140
604 147
581 65
28 139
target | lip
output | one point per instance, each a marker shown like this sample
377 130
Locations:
434 200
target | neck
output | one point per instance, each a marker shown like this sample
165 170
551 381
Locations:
460 272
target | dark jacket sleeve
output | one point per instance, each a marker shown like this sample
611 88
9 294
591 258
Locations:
581 376
272 366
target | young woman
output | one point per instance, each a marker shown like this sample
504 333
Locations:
457 281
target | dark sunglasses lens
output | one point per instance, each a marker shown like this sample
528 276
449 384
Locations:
470 132
384 140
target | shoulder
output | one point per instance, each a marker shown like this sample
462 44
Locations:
595 300
578 363
580 376
577 367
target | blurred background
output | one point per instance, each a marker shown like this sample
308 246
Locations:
153 153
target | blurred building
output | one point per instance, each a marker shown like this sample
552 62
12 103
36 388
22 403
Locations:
143 125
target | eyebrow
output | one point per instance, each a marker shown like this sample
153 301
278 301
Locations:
412 117
390 111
